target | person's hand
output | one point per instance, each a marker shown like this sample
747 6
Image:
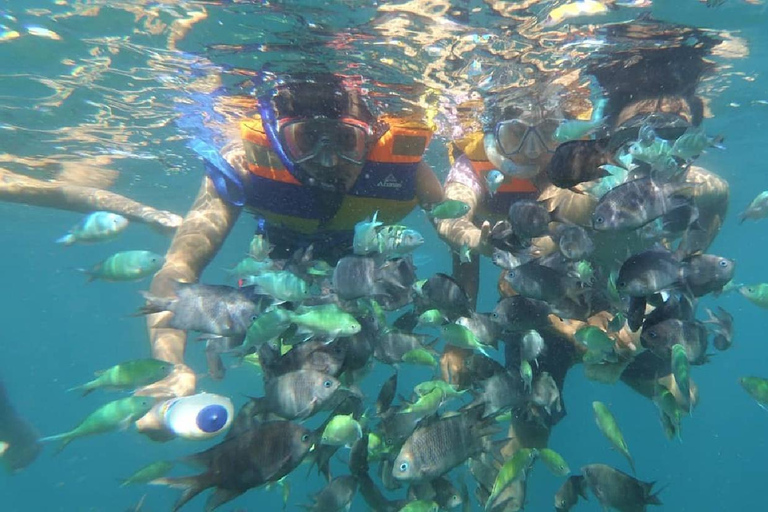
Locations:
181 382
164 221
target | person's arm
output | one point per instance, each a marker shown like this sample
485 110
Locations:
16 188
198 239
463 185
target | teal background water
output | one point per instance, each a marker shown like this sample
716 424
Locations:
106 94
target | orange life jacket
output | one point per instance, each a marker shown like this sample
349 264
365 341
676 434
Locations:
387 183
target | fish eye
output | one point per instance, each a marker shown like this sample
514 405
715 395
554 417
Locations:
599 220
622 284
652 334
404 466
305 438
723 263
327 383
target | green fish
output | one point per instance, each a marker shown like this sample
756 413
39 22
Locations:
420 356
554 462
398 240
515 467
446 388
610 429
756 294
526 373
118 414
459 336
282 285
669 412
427 404
341 430
584 272
366 238
149 472
600 347
128 375
681 370
465 254
96 227
449 209
265 327
690 144
431 318
757 388
576 129
420 506
251 267
328 320
126 266
376 447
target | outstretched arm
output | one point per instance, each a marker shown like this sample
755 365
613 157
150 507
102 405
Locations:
17 188
196 242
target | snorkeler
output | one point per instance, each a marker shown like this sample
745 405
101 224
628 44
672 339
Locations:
311 163
521 141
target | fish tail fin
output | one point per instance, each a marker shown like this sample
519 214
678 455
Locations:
652 498
190 486
66 240
631 464
65 439
220 497
86 389
153 305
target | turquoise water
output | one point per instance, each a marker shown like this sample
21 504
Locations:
100 96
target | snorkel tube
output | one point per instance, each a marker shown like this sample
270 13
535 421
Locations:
504 164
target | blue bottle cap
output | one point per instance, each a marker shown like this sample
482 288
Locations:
211 418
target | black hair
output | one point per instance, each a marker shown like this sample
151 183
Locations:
309 95
652 60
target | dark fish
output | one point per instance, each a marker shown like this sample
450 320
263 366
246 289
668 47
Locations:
529 218
538 282
678 306
634 204
436 448
723 328
360 276
568 494
374 498
546 395
386 394
648 272
680 219
440 490
660 338
262 454
577 162
326 358
574 242
299 394
617 490
335 496
706 273
500 393
515 314
358 350
444 293
636 312
391 346
358 457
395 427
212 309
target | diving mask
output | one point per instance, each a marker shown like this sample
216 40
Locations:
322 141
516 137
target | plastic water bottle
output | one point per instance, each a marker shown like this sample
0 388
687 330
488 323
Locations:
200 416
